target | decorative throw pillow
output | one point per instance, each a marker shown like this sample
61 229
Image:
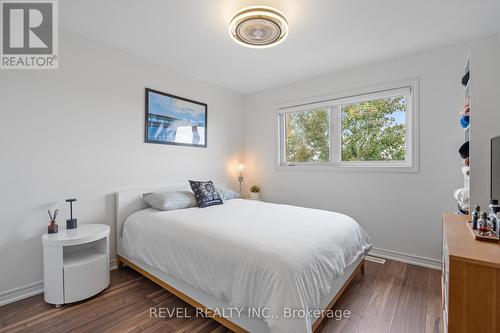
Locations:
170 200
226 193
205 193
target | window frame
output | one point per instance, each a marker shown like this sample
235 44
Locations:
333 103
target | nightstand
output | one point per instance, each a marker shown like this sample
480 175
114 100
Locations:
75 263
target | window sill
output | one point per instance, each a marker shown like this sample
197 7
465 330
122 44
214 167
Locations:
350 168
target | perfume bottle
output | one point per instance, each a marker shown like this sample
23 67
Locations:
497 229
493 223
475 216
483 225
493 209
493 206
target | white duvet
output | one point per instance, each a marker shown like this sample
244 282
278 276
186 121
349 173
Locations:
250 254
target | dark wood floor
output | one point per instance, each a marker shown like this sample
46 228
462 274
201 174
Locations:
393 297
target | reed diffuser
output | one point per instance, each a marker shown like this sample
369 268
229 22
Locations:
53 228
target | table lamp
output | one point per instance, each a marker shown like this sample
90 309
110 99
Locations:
240 177
71 223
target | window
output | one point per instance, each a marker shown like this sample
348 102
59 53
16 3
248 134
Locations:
363 130
308 136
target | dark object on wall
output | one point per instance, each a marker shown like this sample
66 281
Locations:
53 228
464 150
174 120
71 223
465 79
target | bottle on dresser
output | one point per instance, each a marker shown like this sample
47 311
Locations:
497 230
483 225
475 216
493 210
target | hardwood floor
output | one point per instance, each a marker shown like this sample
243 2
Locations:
391 297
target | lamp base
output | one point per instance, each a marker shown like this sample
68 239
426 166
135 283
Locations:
71 224
240 180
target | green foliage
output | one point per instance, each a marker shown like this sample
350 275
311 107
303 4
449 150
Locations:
255 189
308 137
370 133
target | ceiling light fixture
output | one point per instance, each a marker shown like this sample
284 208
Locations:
258 27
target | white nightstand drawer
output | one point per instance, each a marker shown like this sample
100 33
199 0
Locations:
85 278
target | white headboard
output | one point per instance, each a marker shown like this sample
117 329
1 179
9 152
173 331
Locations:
131 201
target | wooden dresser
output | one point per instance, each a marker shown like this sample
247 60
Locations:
470 279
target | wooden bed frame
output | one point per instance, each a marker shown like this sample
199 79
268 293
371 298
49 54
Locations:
128 202
360 269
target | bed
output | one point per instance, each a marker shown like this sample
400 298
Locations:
252 266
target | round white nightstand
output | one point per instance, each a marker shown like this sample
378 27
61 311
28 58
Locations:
75 263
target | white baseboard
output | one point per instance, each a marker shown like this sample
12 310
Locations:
378 260
32 289
406 258
20 293
113 264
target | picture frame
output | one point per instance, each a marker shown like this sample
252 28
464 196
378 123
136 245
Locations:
174 120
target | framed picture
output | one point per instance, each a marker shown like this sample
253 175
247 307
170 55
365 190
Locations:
173 120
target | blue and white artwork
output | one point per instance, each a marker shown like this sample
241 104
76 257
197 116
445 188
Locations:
175 120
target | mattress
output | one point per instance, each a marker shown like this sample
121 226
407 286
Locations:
251 254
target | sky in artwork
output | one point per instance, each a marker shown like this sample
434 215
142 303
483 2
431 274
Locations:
176 108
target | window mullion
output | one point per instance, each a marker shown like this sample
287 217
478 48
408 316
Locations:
409 130
335 129
283 142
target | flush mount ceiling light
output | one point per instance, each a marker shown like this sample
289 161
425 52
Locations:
258 27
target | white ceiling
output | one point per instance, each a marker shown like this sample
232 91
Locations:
191 36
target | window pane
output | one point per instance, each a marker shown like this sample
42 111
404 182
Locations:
308 136
374 130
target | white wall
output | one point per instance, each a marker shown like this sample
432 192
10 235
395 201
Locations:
401 211
78 132
485 115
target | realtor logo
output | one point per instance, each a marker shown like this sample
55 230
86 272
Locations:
29 34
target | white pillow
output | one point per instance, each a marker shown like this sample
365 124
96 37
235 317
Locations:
226 193
170 200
